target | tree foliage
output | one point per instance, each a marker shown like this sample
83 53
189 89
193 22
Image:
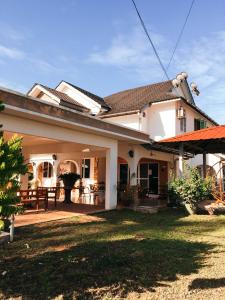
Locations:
11 167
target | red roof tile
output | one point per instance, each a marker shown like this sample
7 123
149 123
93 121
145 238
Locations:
215 132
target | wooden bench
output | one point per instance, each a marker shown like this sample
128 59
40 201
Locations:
34 196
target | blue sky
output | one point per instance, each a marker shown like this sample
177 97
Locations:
99 45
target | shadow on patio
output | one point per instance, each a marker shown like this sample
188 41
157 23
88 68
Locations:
62 211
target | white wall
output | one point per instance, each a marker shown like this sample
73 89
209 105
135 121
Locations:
161 120
131 121
191 114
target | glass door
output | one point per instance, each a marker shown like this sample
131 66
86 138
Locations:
153 176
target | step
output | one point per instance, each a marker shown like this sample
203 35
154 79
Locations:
147 209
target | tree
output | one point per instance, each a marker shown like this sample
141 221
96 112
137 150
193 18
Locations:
11 167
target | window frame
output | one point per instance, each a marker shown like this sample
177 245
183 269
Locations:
83 170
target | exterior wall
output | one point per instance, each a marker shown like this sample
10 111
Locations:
161 120
191 114
48 98
131 121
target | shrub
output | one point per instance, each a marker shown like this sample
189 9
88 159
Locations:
190 189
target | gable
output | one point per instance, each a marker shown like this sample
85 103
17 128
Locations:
85 98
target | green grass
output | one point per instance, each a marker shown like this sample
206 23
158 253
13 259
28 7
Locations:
119 253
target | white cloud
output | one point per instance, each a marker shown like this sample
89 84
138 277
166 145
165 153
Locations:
12 85
132 53
202 59
12 53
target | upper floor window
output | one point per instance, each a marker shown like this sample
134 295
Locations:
86 168
199 124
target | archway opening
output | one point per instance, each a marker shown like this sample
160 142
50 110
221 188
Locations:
44 174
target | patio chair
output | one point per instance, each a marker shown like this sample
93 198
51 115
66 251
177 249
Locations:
42 196
98 191
52 193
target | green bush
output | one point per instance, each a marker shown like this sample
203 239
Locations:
191 188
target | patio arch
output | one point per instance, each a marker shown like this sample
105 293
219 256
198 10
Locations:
44 173
74 166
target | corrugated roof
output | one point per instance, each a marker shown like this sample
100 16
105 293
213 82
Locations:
137 98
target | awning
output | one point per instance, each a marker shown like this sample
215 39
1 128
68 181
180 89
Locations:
208 140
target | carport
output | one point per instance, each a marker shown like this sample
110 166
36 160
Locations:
204 141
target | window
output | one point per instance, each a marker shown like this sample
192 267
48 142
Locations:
183 124
86 166
47 169
199 124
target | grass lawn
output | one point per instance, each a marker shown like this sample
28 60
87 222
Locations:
117 255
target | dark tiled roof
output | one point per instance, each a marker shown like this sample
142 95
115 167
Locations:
90 95
65 99
137 98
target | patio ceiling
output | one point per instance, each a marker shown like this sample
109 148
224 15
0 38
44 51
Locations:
208 140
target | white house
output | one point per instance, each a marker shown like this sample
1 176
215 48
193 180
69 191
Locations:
107 140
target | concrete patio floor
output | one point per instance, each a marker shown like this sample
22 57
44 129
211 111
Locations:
62 211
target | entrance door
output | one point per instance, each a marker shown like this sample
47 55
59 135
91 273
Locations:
153 175
124 174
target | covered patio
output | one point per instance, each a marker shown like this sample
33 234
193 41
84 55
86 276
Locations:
57 140
204 141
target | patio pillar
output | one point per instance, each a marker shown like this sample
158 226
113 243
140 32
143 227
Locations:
204 164
180 161
111 177
133 169
24 178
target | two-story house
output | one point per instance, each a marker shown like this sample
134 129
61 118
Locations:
106 140
159 110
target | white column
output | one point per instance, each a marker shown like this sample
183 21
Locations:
55 168
204 164
133 163
111 177
180 161
24 178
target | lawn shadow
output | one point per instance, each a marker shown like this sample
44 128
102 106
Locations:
207 283
94 268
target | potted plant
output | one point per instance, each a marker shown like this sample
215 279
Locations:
190 189
69 179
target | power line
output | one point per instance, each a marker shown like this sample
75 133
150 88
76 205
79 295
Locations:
150 40
180 35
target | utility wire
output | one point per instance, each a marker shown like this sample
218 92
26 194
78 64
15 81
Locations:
150 40
180 35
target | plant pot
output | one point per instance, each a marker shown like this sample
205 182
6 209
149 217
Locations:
67 198
191 209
